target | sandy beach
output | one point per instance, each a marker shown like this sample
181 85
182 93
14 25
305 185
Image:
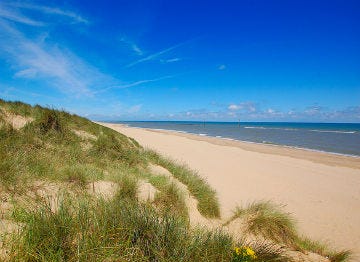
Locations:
321 190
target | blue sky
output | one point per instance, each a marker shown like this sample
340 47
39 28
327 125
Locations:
184 60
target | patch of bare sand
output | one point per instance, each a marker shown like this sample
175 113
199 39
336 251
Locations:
105 189
146 191
16 121
84 135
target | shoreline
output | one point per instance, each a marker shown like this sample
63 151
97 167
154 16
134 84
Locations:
243 141
318 156
320 190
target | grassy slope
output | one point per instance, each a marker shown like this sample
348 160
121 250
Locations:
85 227
61 148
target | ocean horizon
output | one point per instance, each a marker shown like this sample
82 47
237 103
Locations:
336 138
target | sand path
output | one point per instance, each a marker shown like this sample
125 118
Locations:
322 191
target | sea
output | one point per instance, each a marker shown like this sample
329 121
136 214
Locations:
337 138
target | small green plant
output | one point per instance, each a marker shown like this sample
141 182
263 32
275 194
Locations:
76 175
340 256
50 120
128 188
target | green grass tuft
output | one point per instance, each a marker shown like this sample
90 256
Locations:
51 120
114 230
75 175
322 249
340 256
128 188
208 204
171 199
268 220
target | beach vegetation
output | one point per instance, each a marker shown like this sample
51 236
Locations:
128 188
120 229
171 199
318 247
244 254
74 223
268 220
208 204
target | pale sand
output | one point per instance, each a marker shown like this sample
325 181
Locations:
321 190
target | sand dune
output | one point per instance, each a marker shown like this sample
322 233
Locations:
322 191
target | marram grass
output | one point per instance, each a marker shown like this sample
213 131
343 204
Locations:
86 228
322 249
267 219
120 229
208 204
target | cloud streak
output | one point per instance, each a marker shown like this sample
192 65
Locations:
74 17
134 47
243 106
15 16
222 67
155 55
55 65
133 84
134 109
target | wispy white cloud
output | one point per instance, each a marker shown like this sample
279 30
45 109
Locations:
155 55
313 110
136 49
132 84
171 60
349 114
26 73
222 67
132 45
134 109
72 16
51 63
140 52
248 111
245 106
15 16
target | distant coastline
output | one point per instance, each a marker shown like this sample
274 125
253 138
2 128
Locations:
250 142
333 138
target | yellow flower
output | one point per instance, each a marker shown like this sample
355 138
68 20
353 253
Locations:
245 252
250 252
